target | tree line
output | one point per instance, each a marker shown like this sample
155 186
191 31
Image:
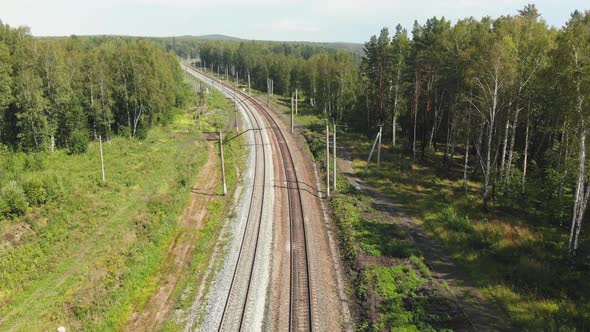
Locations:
326 76
505 100
61 92
506 96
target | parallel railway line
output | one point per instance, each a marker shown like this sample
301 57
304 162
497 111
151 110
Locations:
300 303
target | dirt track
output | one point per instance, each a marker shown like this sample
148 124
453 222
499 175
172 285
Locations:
180 251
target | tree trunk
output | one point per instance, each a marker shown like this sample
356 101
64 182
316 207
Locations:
579 204
504 146
526 155
416 98
465 165
564 143
488 167
511 150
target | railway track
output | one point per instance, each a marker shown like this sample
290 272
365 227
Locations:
300 302
237 300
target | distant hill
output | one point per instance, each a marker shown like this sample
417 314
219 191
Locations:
213 37
356 48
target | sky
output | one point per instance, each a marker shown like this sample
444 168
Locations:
310 20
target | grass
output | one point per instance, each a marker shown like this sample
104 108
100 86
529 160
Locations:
514 255
389 278
89 257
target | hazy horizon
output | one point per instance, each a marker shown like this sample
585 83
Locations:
282 20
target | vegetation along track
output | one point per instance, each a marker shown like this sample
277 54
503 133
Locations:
300 308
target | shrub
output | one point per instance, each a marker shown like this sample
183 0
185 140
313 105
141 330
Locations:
396 287
35 191
53 186
41 189
454 222
34 162
78 142
13 201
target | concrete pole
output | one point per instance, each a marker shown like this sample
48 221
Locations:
296 100
371 153
327 160
249 91
101 158
222 163
334 168
291 113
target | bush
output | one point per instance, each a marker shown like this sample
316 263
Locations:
35 191
34 162
454 222
396 287
78 142
13 201
53 186
41 189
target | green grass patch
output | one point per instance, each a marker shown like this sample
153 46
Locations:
86 254
517 257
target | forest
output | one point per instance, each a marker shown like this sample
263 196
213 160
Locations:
61 92
508 96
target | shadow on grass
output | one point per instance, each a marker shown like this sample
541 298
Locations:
513 254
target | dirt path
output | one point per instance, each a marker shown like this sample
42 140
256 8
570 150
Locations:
180 251
450 279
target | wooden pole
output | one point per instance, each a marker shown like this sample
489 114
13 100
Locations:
327 160
101 158
334 168
222 163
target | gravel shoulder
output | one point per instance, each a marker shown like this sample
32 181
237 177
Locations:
329 301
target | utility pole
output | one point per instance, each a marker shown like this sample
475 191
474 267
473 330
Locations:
268 90
379 149
249 91
371 153
236 107
327 160
296 100
291 113
222 163
334 168
101 158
